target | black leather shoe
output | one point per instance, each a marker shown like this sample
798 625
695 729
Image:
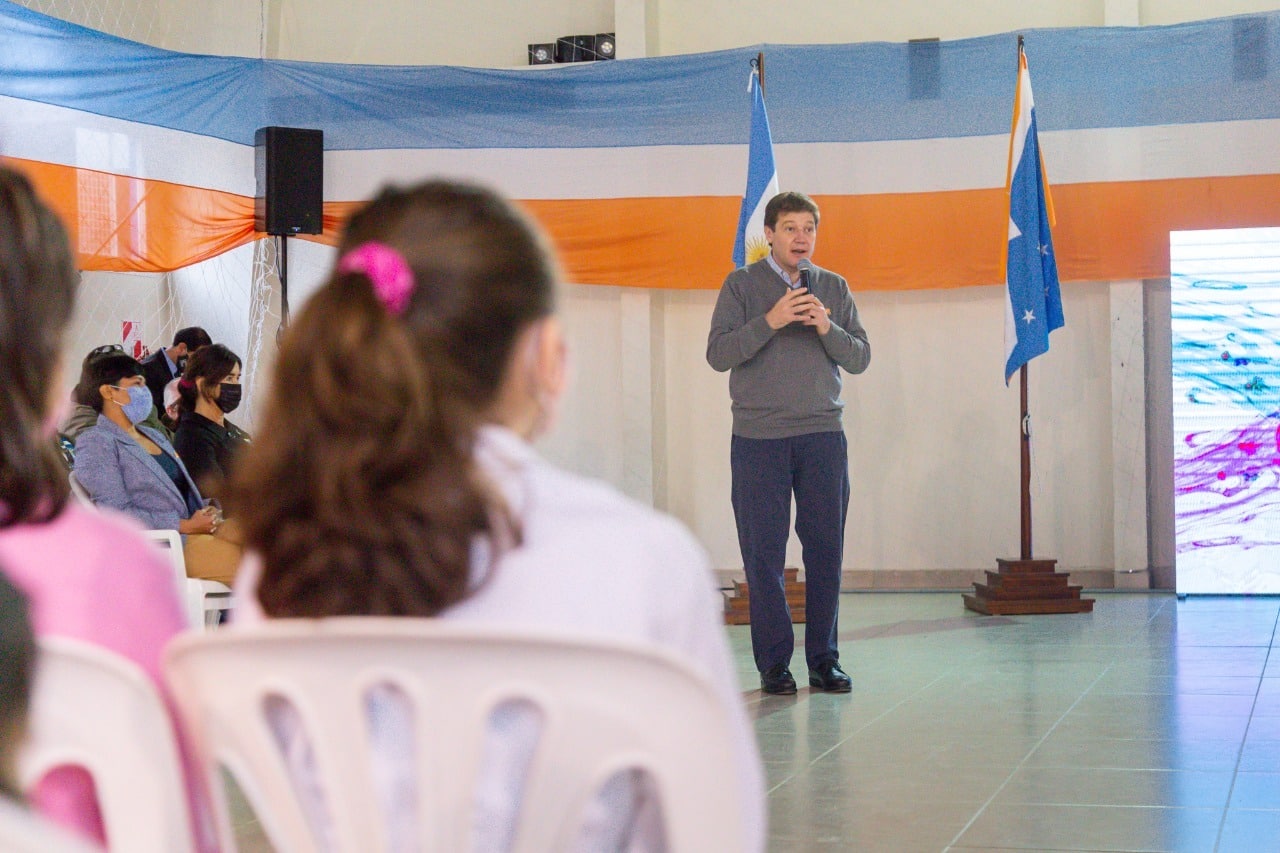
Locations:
778 681
830 677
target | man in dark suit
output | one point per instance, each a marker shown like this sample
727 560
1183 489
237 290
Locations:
166 364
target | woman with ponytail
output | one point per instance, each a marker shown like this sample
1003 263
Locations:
88 575
395 475
207 441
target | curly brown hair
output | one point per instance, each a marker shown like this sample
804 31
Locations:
361 494
38 280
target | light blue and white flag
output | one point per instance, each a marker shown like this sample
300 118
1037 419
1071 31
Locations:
1033 301
750 245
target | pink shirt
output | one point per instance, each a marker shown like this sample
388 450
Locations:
91 577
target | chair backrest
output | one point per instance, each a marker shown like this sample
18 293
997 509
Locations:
170 542
24 832
94 709
605 707
202 600
78 489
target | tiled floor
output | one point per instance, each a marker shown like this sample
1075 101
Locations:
1150 724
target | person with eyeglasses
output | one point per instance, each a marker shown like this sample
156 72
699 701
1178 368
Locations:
82 415
134 469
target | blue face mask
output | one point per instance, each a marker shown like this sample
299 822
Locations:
139 405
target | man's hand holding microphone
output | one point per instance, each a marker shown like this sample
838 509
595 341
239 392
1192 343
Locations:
799 305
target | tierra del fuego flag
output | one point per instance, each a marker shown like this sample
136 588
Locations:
1033 301
750 244
635 167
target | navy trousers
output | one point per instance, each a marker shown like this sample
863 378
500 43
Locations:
766 472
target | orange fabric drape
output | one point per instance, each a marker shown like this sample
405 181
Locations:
890 241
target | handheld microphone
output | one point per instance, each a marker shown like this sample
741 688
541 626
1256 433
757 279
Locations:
806 267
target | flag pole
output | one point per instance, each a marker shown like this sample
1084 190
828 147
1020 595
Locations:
1029 584
1025 429
1024 425
758 64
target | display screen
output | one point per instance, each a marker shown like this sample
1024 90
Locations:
1225 288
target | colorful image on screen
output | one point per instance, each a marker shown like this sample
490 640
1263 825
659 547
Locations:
1225 288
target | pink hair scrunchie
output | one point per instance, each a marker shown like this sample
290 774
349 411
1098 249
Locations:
387 271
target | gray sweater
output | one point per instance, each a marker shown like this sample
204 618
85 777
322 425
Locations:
786 382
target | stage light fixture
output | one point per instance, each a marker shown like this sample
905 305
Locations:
542 54
606 46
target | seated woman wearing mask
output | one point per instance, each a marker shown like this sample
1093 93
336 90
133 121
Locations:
206 441
135 470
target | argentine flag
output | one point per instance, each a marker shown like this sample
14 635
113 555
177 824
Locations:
749 245
1033 302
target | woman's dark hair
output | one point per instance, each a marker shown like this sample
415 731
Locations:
108 370
361 494
80 394
213 364
38 281
17 670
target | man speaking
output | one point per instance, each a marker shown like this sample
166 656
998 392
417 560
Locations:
784 328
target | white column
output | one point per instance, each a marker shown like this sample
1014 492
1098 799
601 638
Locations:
658 412
631 27
1122 13
1128 393
636 329
1129 434
270 22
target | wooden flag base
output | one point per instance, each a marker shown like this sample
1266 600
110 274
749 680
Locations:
1025 587
737 604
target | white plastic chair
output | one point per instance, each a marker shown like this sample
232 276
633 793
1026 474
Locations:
24 832
605 707
78 490
204 600
94 709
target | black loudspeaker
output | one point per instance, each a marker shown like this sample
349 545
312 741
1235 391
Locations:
606 46
575 48
289 162
1249 39
542 54
924 69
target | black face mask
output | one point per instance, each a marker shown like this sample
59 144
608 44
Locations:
228 397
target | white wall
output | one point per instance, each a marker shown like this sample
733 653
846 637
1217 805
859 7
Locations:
932 433
690 26
410 32
223 27
495 33
1180 11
